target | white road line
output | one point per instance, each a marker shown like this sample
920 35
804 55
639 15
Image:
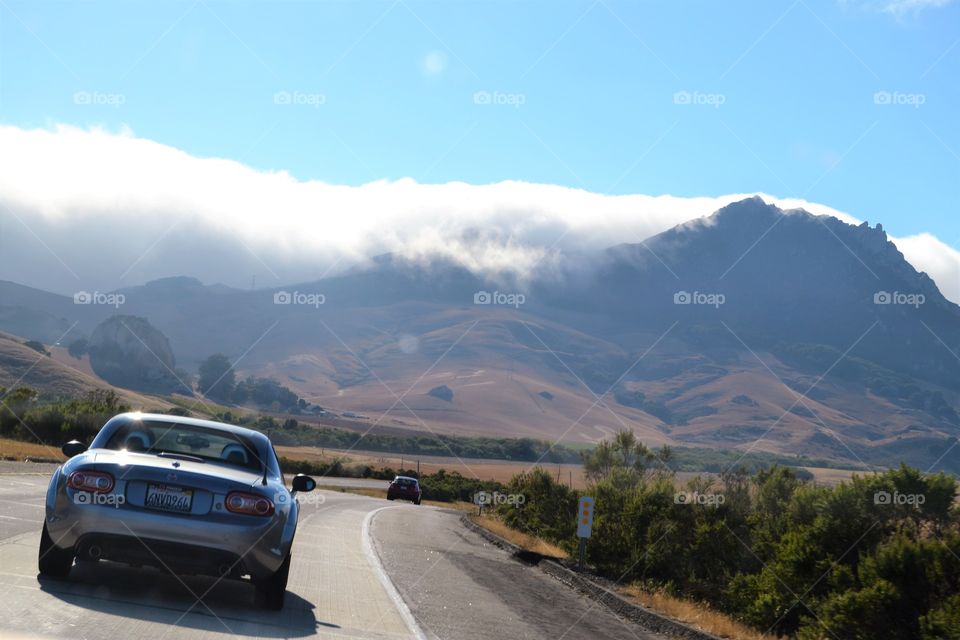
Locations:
23 504
377 566
15 518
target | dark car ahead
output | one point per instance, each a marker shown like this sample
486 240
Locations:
404 488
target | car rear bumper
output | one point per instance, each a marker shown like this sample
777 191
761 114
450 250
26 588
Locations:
176 557
182 544
402 495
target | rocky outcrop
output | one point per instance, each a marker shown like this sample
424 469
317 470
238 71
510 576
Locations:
129 352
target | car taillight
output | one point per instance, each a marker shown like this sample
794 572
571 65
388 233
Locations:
248 504
92 481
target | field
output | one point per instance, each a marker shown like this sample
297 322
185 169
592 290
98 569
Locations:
499 470
831 477
18 450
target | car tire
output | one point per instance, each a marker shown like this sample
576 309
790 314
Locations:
417 502
271 592
389 498
53 561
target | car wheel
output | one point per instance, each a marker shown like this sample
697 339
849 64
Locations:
389 498
417 502
52 560
271 592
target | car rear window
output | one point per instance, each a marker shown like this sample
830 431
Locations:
405 482
211 445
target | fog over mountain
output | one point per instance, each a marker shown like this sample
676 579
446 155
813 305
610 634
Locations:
819 339
85 210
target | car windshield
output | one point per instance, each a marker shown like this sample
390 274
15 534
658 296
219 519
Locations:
207 445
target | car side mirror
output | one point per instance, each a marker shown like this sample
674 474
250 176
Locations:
73 448
303 483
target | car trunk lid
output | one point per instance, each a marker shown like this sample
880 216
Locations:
171 484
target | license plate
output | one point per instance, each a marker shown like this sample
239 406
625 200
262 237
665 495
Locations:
167 498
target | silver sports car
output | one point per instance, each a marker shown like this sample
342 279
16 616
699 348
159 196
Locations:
187 496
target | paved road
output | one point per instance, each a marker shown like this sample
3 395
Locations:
335 590
360 483
460 587
455 584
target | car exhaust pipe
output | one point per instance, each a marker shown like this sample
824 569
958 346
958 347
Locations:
94 552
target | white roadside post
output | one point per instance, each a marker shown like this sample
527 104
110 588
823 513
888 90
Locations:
481 498
584 526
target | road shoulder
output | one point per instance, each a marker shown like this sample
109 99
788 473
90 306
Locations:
460 586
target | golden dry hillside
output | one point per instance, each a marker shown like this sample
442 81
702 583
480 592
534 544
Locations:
21 366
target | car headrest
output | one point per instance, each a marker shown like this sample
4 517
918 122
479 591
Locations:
235 454
137 441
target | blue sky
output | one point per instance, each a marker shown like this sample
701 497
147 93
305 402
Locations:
780 95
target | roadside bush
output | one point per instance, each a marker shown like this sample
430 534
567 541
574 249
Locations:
875 557
942 623
549 509
451 487
26 418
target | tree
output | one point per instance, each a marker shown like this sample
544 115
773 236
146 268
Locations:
37 346
624 453
217 379
943 623
266 392
78 348
599 462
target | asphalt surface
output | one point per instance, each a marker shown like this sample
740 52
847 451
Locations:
362 568
459 586
359 483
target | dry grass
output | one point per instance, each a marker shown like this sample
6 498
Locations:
693 614
831 477
17 450
459 505
525 541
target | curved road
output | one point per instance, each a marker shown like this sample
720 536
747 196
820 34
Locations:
362 568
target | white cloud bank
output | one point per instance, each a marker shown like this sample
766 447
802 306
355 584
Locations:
92 209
